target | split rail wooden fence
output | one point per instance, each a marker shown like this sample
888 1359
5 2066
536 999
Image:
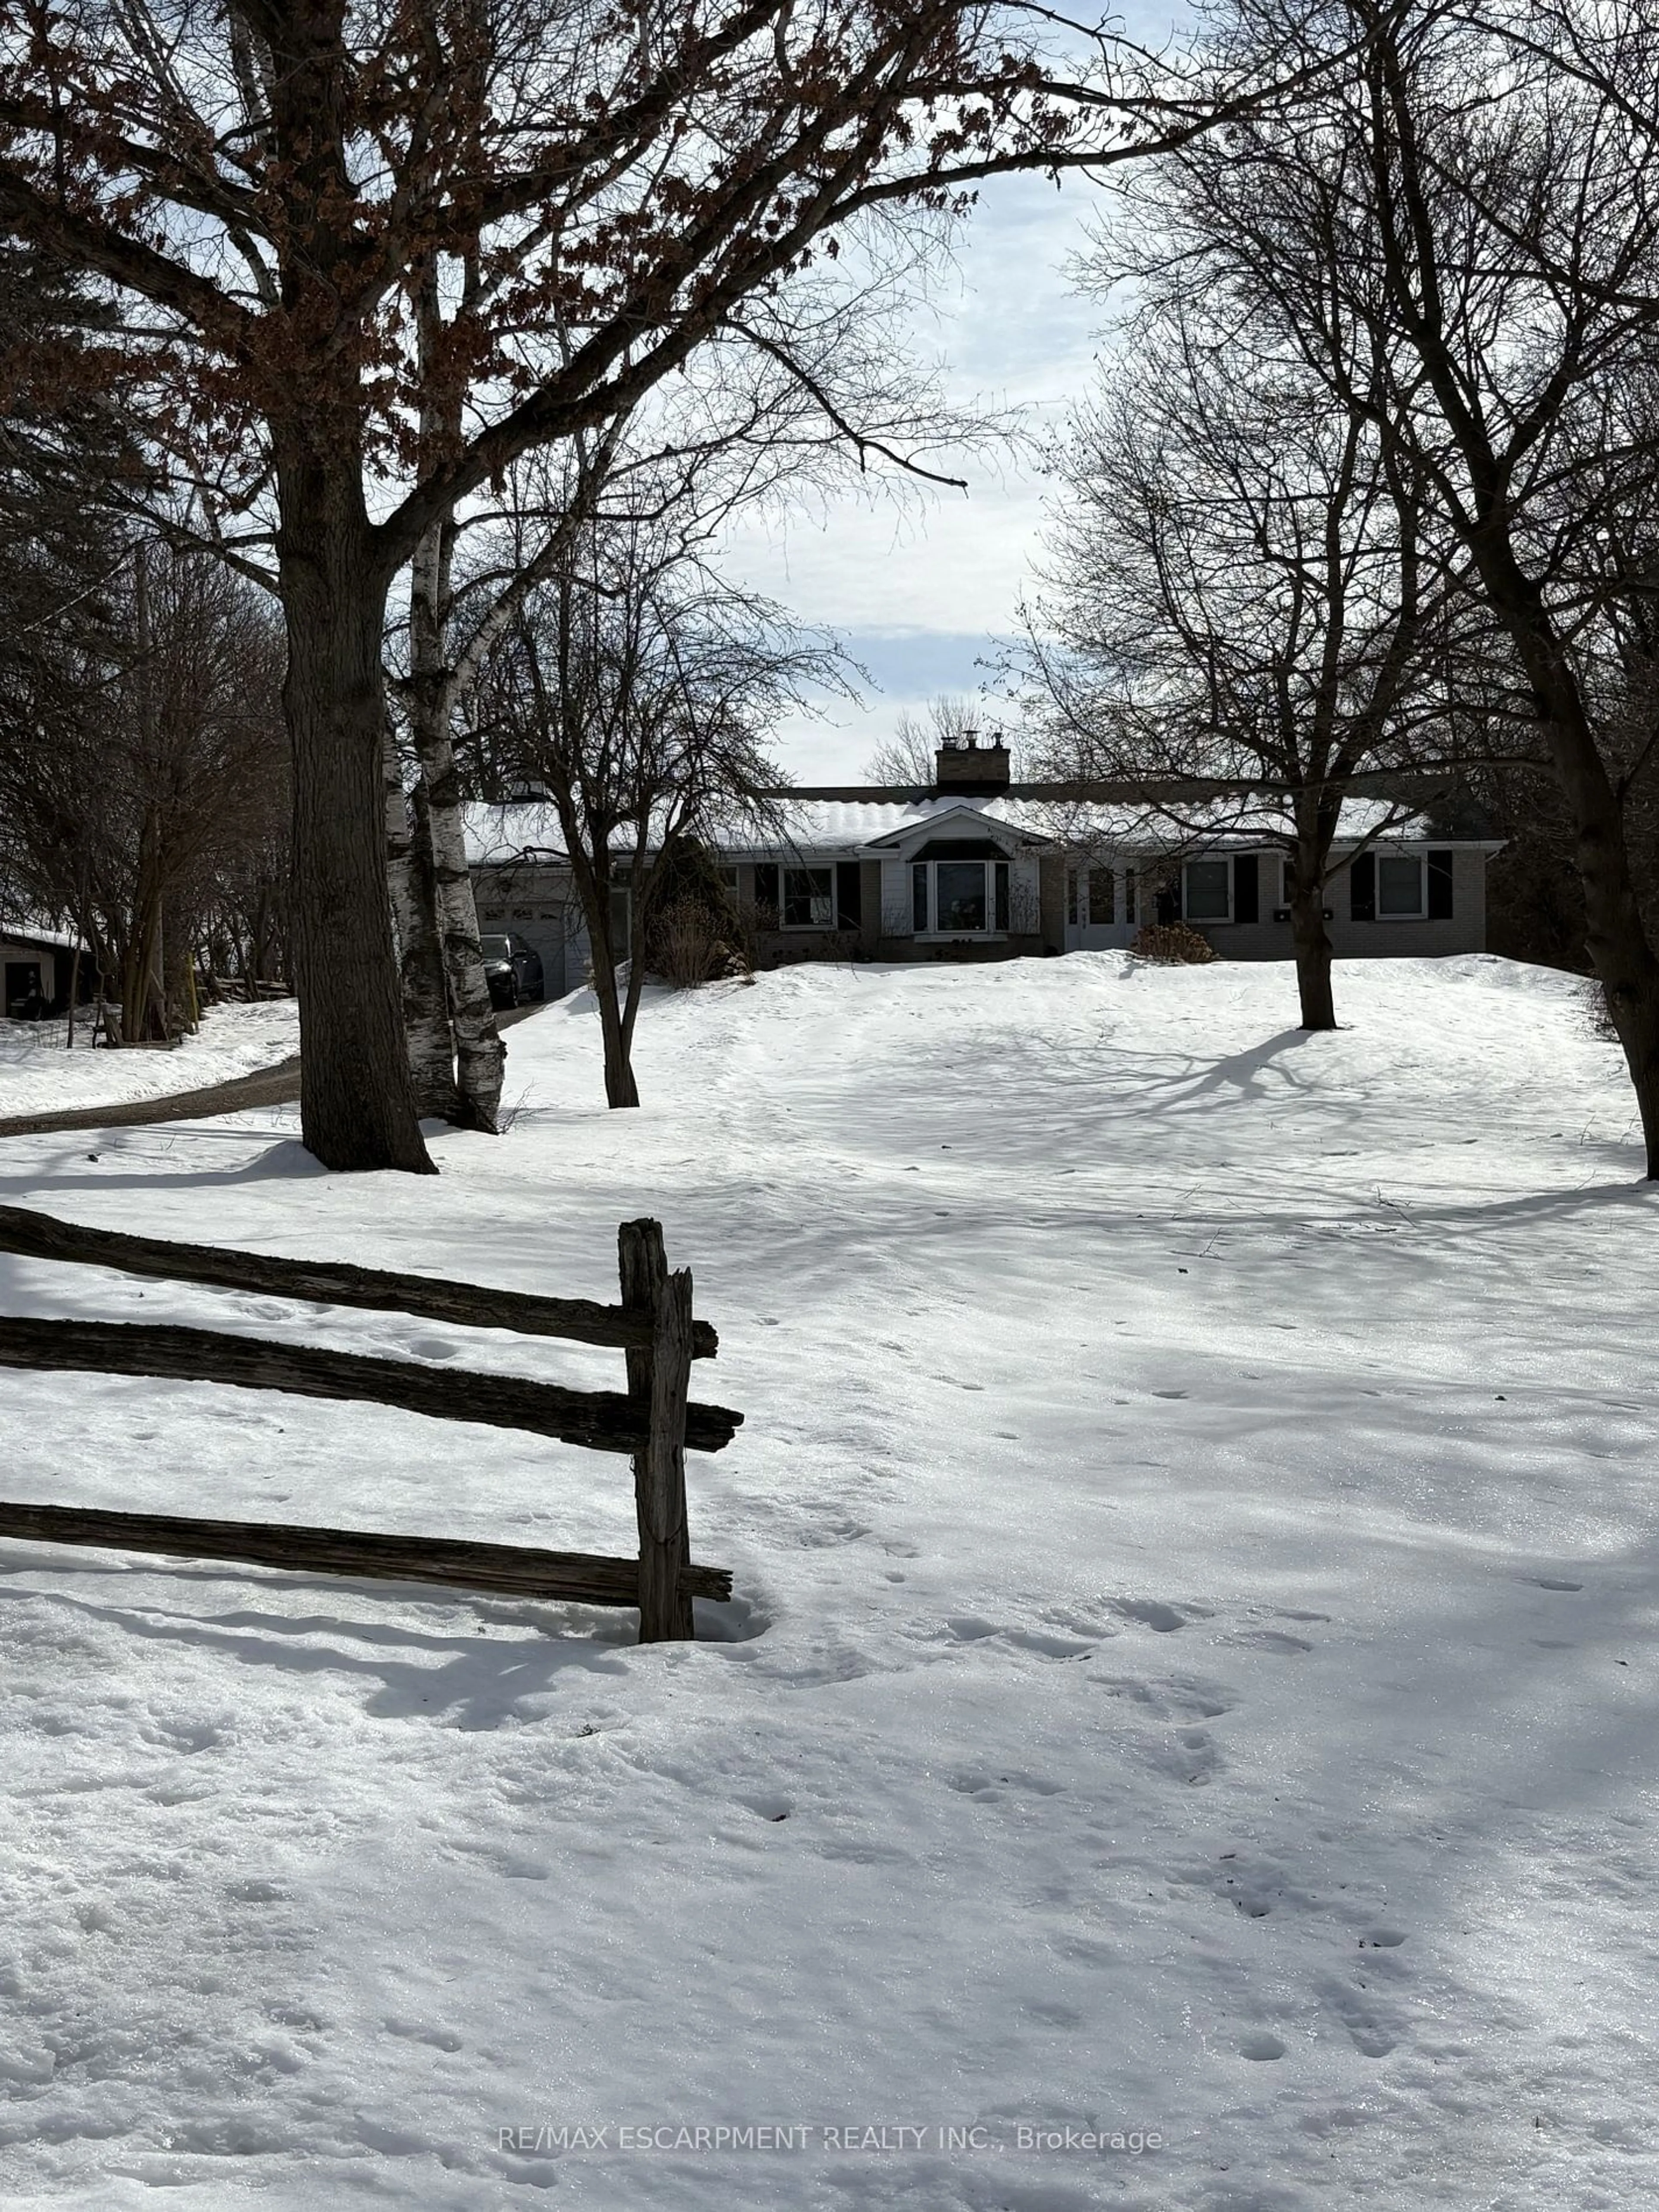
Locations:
654 1421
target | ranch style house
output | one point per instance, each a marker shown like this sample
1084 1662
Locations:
975 866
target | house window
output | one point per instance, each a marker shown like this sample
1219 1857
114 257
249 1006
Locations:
959 895
959 898
809 898
1399 887
1128 893
1208 890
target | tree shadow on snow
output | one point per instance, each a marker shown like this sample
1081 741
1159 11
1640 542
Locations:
284 1159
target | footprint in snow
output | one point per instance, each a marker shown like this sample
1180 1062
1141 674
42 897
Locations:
1152 1613
415 2031
1191 1758
989 1784
1261 2047
1372 2028
974 1628
830 1533
768 1807
1177 1698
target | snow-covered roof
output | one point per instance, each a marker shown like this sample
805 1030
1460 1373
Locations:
25 931
529 830
1227 823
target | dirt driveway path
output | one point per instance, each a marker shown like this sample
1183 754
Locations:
266 1086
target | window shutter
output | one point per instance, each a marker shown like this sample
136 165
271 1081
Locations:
1169 902
1071 894
1362 887
766 884
1247 896
849 895
1000 910
919 897
1440 887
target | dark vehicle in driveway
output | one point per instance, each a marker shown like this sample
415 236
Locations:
513 970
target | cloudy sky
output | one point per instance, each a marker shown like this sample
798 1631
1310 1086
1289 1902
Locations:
921 596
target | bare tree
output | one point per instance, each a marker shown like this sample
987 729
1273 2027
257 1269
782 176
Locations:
1475 197
61 552
1240 594
636 688
130 817
907 756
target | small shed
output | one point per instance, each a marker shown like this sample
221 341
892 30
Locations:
37 972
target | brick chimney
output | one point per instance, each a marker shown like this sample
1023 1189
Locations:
964 764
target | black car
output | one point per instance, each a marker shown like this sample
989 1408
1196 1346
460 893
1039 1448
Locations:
513 970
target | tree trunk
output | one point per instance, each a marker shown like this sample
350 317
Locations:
616 1030
620 1088
181 1010
629 1011
356 1100
1311 940
142 1014
426 1010
74 980
481 1055
1614 933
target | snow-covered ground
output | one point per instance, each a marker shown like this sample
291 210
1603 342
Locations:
39 1075
1193 1668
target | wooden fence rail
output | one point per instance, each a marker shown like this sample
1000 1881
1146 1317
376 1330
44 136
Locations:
507 1570
325 1282
654 1421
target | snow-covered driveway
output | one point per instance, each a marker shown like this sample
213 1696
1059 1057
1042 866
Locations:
38 1075
1193 1669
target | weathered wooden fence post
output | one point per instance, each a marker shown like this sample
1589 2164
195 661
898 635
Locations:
660 1379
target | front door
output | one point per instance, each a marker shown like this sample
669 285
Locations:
22 985
1100 908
